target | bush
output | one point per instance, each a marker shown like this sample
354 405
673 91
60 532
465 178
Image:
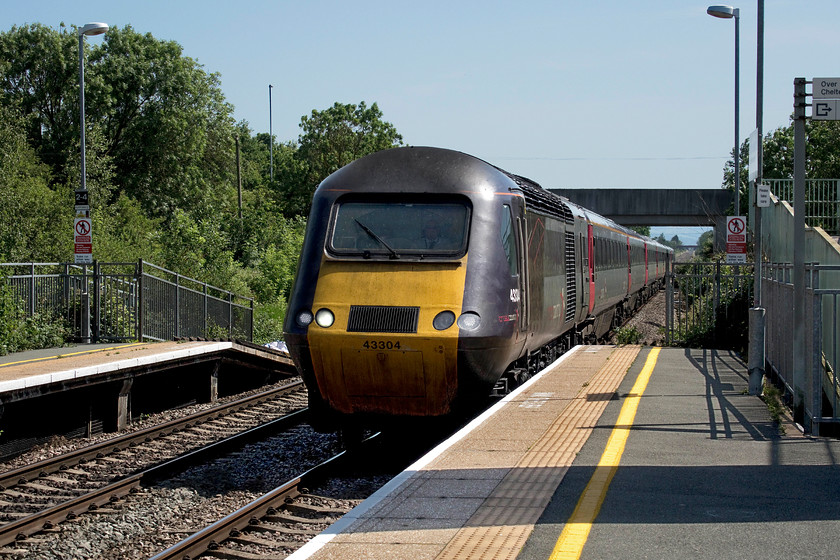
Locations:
627 335
19 332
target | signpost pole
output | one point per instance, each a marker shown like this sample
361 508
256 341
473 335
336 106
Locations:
799 248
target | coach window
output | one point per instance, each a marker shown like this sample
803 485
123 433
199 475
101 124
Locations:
509 239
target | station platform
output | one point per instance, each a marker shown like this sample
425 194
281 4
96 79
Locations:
610 452
82 390
40 372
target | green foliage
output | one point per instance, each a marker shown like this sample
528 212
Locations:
160 163
706 245
704 322
332 138
627 335
675 242
772 397
19 332
38 211
822 158
642 230
268 322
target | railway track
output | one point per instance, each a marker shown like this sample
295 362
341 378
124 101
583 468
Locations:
39 496
278 522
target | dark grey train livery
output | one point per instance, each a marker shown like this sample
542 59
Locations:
427 275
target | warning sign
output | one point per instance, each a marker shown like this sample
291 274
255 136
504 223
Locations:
83 241
736 239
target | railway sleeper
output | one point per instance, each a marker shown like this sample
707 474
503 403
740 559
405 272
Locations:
315 510
249 540
230 554
279 529
288 518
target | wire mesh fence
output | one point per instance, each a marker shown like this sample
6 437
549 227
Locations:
127 301
809 377
707 305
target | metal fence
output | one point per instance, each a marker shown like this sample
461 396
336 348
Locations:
822 201
707 304
128 301
812 381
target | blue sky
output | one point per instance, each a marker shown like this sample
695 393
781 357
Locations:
604 93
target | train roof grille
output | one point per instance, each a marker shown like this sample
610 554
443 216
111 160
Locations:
383 319
540 199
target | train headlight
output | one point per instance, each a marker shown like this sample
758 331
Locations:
469 321
324 318
443 320
304 318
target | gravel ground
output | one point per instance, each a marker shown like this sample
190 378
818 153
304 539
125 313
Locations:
649 321
155 518
60 444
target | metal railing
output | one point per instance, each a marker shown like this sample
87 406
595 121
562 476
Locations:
128 301
822 201
813 382
707 303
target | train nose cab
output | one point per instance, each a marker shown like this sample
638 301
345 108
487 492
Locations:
382 331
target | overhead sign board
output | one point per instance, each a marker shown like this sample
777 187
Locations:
736 239
826 99
826 88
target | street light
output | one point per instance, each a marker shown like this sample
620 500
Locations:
728 12
83 245
91 29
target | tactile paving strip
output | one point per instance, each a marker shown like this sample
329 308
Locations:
482 497
500 527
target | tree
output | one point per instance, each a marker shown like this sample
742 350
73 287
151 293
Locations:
642 230
331 139
169 130
37 213
39 75
675 242
822 156
165 126
706 245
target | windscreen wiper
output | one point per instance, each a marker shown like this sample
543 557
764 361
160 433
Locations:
367 230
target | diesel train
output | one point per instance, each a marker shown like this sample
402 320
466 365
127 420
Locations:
429 277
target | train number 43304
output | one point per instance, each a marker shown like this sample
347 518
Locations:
381 344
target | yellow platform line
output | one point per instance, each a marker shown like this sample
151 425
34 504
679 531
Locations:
576 532
72 354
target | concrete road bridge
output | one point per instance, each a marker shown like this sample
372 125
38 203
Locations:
657 207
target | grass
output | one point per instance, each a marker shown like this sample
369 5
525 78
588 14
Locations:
772 397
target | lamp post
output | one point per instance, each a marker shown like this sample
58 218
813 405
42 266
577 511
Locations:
82 235
89 29
728 12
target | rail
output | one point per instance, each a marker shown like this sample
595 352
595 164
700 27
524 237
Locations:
34 523
128 301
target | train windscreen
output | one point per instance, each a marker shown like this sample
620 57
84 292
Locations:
400 229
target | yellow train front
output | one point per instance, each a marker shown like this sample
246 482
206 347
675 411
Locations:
380 322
